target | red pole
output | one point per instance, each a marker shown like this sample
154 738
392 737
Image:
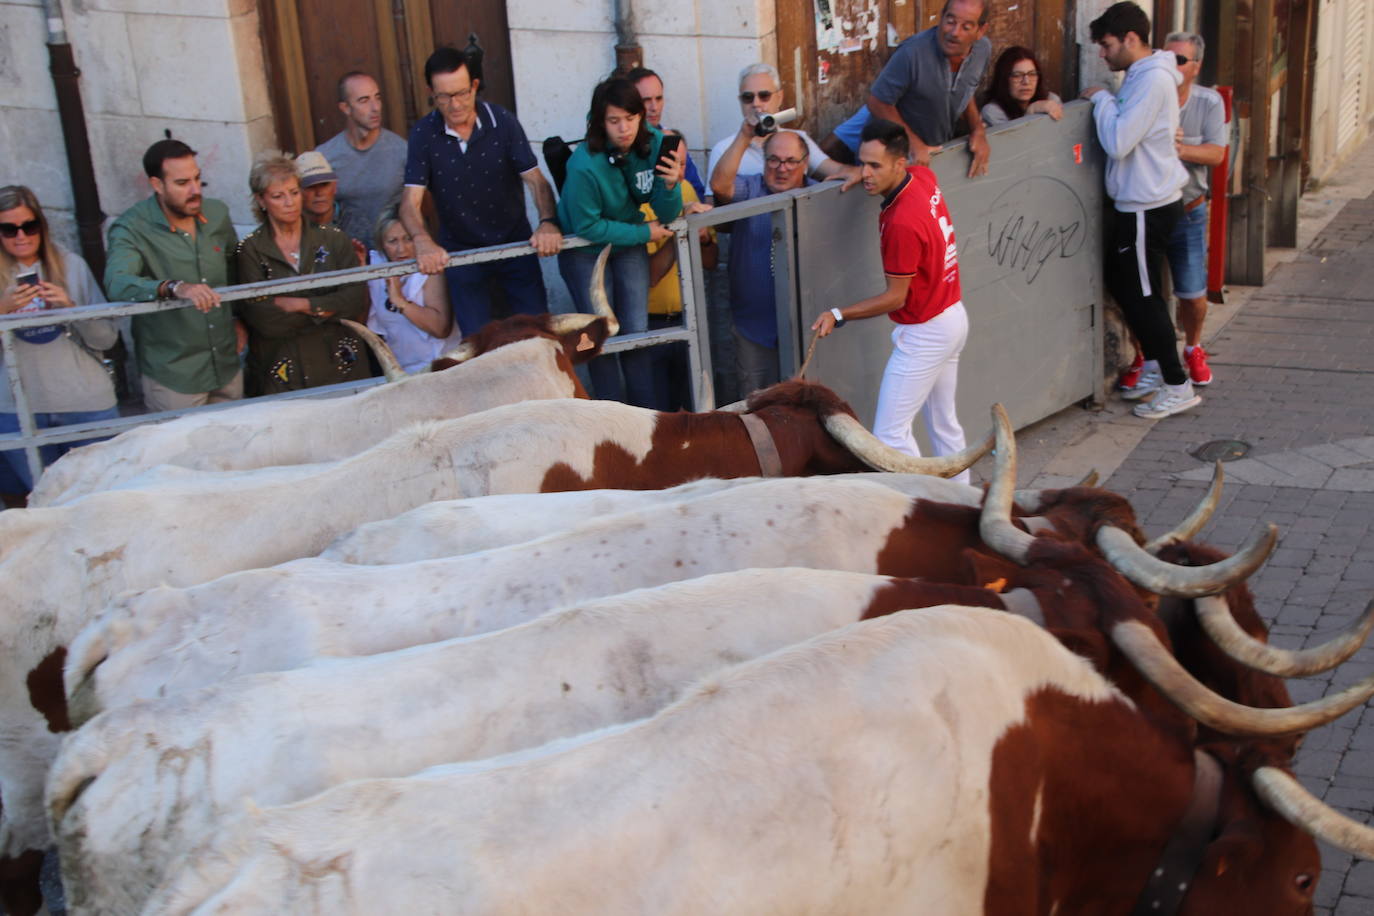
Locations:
1218 214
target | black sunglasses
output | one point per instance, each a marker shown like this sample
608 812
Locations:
1182 60
29 227
748 97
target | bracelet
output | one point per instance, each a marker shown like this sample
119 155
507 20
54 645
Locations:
839 318
550 220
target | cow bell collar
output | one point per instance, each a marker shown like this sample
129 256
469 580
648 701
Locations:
1178 863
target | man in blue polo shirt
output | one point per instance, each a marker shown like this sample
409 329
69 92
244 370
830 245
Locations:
752 297
474 159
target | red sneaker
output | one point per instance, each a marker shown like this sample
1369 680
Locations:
1198 370
1131 376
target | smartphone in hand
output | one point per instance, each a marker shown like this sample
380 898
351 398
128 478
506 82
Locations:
667 148
29 279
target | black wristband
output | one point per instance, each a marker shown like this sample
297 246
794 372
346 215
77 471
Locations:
551 221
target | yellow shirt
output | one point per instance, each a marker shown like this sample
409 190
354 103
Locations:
665 297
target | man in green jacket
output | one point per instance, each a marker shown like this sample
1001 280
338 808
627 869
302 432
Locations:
176 244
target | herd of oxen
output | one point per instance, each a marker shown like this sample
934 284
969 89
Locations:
469 642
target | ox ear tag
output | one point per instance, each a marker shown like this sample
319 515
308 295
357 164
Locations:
996 585
1221 866
585 343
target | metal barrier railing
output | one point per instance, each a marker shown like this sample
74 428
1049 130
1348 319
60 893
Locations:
30 438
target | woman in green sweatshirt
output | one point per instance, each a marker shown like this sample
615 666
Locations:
614 171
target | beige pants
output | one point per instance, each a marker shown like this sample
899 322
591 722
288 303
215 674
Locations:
158 397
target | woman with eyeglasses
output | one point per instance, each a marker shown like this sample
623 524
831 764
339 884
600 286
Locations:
610 175
1018 89
295 340
412 312
59 365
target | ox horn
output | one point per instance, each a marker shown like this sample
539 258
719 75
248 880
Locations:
735 407
1199 517
1089 479
1153 574
1280 791
865 446
570 322
994 522
1139 643
600 304
1215 616
459 354
391 366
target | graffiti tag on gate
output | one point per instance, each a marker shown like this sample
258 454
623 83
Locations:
1035 223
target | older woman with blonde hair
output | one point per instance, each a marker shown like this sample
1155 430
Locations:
59 365
295 340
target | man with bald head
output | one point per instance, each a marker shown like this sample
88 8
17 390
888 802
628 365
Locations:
752 302
369 160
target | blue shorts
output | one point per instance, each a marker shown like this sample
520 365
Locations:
1188 254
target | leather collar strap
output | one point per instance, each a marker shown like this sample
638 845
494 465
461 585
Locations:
770 463
1168 884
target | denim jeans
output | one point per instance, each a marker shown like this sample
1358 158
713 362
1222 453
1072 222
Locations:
15 460
520 278
1188 254
627 286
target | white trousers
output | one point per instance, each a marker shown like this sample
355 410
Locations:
922 374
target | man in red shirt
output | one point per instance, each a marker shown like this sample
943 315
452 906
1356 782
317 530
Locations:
922 296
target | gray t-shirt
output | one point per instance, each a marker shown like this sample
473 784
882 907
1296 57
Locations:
928 96
369 180
1203 119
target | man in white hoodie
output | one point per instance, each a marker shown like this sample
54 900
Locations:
1145 180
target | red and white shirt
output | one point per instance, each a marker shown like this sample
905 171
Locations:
918 242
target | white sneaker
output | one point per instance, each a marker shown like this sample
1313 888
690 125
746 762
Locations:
1149 382
1169 400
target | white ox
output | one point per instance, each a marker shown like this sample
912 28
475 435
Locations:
139 785
165 640
257 434
451 527
62 564
850 774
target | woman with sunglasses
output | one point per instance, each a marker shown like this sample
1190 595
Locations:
610 175
59 364
295 340
1017 89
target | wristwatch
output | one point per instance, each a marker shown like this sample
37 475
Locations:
839 318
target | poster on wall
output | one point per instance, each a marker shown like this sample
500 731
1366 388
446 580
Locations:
827 35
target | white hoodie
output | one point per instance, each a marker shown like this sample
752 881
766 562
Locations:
1136 129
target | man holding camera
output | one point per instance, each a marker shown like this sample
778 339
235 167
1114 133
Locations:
760 99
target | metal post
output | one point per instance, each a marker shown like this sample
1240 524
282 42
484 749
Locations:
785 294
691 277
21 404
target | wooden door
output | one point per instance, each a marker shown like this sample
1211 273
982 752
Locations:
456 24
309 44
832 50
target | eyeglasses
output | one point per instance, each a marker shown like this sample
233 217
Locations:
1024 76
763 94
775 161
447 98
30 227
1183 60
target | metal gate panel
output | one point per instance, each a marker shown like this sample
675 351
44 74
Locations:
1029 236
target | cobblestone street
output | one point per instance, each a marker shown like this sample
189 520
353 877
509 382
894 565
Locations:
1294 373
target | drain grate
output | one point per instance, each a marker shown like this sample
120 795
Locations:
1222 450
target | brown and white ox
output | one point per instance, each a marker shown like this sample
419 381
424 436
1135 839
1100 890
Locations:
951 760
61 565
523 358
122 814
